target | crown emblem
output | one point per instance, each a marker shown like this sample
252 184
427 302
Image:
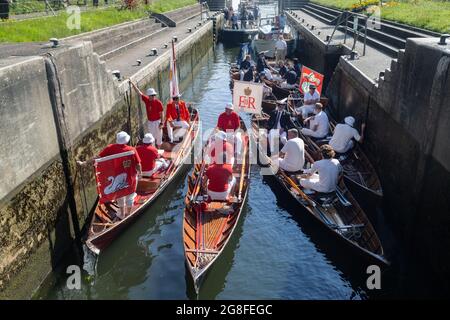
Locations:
247 91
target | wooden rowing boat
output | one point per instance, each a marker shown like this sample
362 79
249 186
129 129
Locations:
209 225
358 170
105 225
337 212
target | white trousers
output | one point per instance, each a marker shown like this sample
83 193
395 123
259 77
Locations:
280 54
159 163
314 134
313 184
153 128
305 110
286 166
273 135
222 196
348 146
179 130
126 201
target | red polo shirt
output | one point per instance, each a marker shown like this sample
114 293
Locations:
228 122
218 177
119 148
226 147
154 108
148 155
171 112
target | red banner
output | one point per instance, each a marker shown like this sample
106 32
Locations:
309 76
116 176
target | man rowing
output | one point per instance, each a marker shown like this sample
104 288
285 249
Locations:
292 156
177 118
278 125
318 124
150 158
122 138
344 133
324 174
230 123
154 108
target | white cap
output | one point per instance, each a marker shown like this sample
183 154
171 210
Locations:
221 135
350 121
176 95
148 138
229 106
122 137
151 92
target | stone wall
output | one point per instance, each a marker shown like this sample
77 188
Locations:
55 109
407 116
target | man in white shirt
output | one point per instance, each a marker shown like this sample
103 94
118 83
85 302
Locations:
324 174
292 156
309 101
343 135
318 124
280 49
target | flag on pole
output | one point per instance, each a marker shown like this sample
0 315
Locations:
116 176
248 96
309 76
173 75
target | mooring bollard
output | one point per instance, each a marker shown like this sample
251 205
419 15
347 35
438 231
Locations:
443 40
165 45
154 52
175 38
328 38
116 73
138 62
189 30
55 42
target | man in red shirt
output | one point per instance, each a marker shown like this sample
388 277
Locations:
230 123
122 139
177 117
225 150
220 181
154 108
151 161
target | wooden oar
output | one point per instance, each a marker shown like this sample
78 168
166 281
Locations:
241 183
300 191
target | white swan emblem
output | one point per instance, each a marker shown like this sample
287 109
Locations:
117 183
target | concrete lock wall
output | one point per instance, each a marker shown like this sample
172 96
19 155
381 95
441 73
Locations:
54 110
408 127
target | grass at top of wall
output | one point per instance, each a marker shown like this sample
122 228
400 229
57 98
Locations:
42 29
428 14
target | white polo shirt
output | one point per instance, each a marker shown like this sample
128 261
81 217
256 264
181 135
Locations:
328 170
309 96
321 120
294 154
342 135
281 45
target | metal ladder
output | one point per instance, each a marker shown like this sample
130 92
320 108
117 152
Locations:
344 18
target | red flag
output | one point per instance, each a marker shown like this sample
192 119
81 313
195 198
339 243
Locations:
116 176
309 76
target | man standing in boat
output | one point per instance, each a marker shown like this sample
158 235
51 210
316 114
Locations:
229 122
344 133
122 138
177 117
280 49
324 174
154 108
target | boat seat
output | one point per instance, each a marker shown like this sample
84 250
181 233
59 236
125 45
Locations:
325 198
148 185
